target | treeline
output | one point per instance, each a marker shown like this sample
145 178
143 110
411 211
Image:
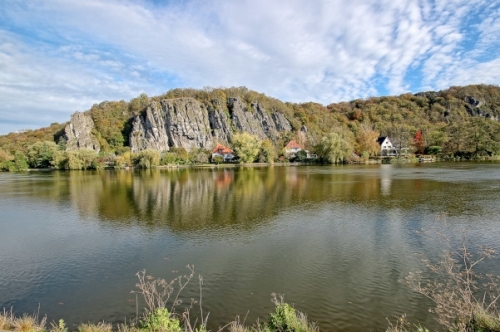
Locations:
51 155
460 122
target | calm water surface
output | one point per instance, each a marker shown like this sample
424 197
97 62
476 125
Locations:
337 241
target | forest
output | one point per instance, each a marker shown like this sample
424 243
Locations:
459 122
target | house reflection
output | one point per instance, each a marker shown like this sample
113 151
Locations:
385 179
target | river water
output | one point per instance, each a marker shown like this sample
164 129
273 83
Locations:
337 241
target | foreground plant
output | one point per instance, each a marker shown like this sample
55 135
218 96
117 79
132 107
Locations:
465 301
286 318
27 323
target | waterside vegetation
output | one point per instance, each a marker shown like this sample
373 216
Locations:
463 301
456 123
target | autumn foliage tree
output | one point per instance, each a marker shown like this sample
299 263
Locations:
246 146
418 143
366 141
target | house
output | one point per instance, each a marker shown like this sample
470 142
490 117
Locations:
292 148
389 149
386 147
224 152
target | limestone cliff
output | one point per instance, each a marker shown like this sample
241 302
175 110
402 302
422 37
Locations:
78 133
187 123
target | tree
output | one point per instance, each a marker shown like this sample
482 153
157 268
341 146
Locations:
246 146
267 152
147 159
334 147
418 143
82 159
40 154
366 140
20 161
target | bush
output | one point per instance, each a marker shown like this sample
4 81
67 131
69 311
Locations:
169 158
82 159
199 156
40 154
464 300
286 318
160 320
146 159
433 149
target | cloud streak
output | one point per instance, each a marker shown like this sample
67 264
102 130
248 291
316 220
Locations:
58 56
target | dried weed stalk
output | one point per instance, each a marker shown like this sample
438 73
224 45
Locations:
464 300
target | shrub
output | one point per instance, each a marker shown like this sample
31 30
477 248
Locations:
146 159
40 154
82 159
20 161
286 318
160 320
464 300
169 158
433 149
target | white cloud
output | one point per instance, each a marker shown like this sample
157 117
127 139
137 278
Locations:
81 52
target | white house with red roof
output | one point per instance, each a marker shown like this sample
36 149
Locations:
292 147
224 152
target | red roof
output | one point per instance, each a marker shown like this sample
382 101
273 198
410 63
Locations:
293 145
221 149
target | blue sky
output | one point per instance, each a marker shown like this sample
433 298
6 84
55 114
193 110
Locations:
62 56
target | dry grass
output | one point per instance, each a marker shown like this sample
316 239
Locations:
464 301
99 327
27 323
6 320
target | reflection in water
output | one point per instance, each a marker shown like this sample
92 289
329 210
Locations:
336 240
187 199
385 179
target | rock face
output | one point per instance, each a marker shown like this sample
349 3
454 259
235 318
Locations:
473 107
257 121
78 133
187 123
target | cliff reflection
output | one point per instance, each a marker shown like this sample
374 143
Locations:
191 199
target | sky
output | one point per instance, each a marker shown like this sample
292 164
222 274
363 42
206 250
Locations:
62 56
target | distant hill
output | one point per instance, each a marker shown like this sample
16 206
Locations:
459 120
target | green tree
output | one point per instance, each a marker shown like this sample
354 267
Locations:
246 146
40 154
334 147
182 154
199 156
146 159
267 152
82 159
20 161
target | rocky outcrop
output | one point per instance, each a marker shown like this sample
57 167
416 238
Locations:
187 123
181 122
78 133
257 121
473 107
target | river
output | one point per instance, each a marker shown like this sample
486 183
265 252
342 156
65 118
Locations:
337 241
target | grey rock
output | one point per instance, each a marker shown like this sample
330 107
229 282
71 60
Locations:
257 121
78 133
181 122
187 123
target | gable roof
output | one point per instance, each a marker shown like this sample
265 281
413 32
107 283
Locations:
221 149
381 139
293 145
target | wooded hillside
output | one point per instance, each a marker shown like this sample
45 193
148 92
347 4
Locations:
463 121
